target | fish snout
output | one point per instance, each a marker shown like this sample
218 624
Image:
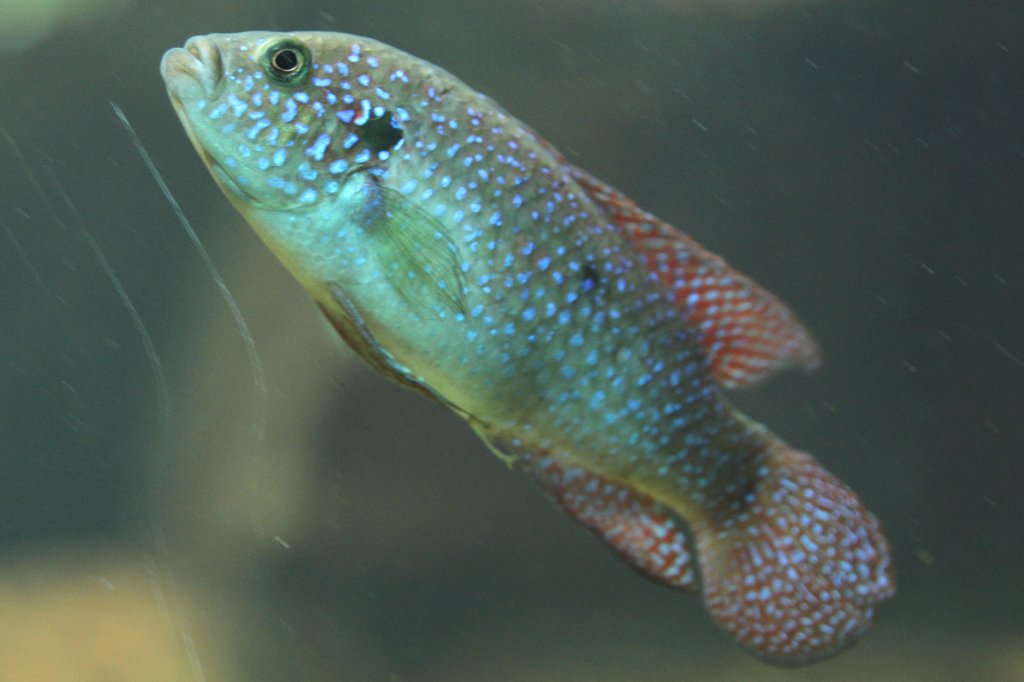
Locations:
196 70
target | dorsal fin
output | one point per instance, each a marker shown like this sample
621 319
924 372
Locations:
746 332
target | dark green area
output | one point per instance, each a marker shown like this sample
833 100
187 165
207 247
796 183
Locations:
863 160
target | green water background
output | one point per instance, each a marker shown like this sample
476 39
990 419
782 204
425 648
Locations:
864 160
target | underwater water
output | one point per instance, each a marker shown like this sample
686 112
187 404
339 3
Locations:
199 481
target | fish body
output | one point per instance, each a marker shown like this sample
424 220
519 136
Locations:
583 338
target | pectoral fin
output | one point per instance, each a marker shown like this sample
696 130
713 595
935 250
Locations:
421 259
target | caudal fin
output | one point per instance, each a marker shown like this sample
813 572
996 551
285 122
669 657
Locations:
797 576
794 577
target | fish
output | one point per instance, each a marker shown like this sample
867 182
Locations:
589 343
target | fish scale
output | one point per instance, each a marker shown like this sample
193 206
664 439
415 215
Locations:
583 338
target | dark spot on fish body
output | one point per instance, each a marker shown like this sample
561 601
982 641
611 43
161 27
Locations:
589 277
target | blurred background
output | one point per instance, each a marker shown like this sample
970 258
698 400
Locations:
176 504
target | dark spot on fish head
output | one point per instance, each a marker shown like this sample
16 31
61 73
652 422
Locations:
382 133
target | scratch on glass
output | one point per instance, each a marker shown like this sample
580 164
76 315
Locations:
255 364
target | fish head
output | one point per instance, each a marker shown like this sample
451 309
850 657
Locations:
302 131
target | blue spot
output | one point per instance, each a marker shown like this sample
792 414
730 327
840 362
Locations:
254 131
364 113
290 111
318 148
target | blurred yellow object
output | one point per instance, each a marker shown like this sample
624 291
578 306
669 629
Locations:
85 616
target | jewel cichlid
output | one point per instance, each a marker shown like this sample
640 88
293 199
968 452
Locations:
581 337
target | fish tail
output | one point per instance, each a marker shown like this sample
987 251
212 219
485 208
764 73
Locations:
795 576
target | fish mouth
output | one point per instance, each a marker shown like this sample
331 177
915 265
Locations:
195 71
195 78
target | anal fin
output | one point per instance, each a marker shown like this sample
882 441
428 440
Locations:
639 529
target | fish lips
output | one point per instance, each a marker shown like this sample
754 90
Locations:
195 71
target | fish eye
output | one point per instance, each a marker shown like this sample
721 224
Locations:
286 60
